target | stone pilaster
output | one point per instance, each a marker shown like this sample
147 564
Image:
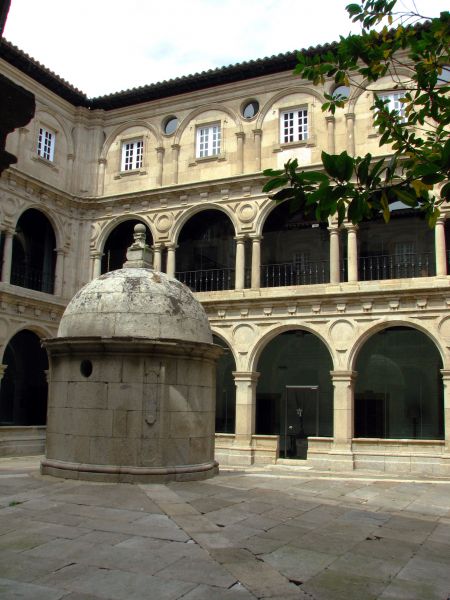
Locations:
245 412
240 263
343 418
446 381
352 252
7 255
440 247
335 258
256 262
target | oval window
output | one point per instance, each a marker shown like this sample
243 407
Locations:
170 125
343 91
250 109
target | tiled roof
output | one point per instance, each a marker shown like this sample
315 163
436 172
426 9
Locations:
163 89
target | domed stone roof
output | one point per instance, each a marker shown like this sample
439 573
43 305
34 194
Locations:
136 302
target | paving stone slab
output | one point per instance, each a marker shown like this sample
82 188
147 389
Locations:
12 590
331 585
207 592
297 563
198 571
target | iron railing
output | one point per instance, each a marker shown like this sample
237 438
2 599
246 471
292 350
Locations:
32 278
207 280
283 274
394 266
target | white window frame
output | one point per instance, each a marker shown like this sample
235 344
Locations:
46 143
394 102
132 155
208 140
294 125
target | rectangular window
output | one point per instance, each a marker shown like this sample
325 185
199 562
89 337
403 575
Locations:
132 155
208 141
394 103
294 125
46 144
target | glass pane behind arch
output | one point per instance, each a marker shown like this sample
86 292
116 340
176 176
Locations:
398 392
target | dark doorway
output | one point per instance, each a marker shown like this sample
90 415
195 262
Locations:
295 249
206 252
34 253
294 376
23 391
398 392
225 390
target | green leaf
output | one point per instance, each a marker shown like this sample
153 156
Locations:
274 183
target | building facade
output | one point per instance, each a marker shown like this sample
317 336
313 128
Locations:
336 339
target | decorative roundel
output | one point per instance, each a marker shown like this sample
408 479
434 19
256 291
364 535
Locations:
163 223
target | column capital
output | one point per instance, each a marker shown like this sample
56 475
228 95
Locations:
240 135
2 370
160 150
330 119
256 238
158 246
333 228
246 376
349 116
441 219
96 254
102 161
9 230
61 251
175 146
345 376
171 246
240 238
351 227
445 375
257 131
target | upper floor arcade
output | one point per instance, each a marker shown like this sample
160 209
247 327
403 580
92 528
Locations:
219 125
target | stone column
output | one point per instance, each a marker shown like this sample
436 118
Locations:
157 262
160 161
330 130
335 257
343 417
258 134
245 407
240 263
96 258
350 122
101 176
175 155
352 252
440 248
7 255
446 381
256 262
240 135
171 259
59 272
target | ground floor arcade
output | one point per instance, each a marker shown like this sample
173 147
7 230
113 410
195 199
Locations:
340 383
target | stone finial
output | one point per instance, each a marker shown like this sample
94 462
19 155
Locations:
139 254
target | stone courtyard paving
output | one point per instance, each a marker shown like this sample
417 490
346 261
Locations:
279 532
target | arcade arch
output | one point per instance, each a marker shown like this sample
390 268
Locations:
205 259
398 389
33 259
294 394
23 390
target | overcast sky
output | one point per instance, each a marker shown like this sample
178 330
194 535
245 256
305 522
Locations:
104 46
